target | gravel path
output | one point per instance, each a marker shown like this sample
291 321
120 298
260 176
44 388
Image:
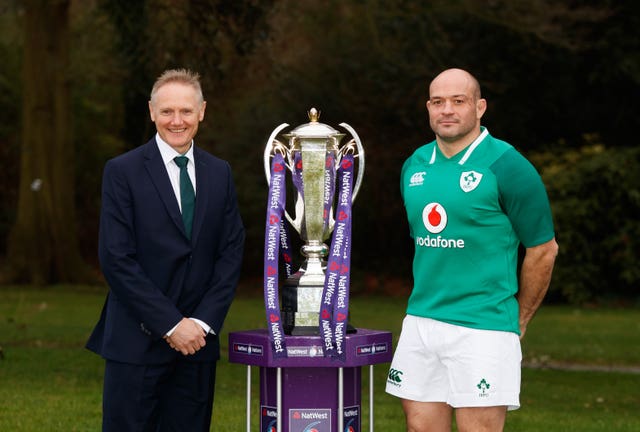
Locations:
549 364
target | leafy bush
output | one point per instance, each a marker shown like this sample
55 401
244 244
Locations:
595 196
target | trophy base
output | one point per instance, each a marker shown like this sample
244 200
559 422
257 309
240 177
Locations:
302 331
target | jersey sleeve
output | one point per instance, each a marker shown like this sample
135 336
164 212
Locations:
402 186
524 198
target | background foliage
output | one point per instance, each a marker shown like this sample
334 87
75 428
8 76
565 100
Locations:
561 78
596 201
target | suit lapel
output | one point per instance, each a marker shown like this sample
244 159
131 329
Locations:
158 173
203 187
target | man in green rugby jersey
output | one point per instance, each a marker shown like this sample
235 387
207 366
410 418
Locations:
471 201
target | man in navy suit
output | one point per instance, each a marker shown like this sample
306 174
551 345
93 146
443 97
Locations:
172 276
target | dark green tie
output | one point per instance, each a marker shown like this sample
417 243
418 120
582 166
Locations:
187 194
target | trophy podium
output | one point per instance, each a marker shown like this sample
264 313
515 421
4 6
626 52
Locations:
310 358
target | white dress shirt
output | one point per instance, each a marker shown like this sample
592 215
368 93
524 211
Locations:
173 170
168 155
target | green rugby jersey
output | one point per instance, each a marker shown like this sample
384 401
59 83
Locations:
467 215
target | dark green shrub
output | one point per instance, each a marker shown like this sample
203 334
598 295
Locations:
595 196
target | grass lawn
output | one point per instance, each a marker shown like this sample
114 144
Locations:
49 382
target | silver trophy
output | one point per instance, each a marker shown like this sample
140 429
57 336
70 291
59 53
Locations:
311 143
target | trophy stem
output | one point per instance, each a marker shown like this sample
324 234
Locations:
302 292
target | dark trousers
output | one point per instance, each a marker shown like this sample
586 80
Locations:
173 397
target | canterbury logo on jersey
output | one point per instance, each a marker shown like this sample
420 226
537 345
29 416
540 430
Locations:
417 179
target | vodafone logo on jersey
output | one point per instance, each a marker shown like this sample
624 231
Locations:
434 217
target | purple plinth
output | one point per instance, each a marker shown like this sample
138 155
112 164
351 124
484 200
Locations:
365 347
309 381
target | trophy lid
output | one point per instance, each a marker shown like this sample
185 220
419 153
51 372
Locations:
313 129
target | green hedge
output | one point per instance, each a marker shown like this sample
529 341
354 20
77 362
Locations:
595 196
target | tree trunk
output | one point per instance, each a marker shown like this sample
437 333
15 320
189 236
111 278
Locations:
43 246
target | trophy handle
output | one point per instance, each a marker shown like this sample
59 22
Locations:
268 150
360 156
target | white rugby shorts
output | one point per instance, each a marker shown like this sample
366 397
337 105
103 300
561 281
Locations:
463 367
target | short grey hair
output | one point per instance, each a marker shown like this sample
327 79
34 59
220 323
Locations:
182 76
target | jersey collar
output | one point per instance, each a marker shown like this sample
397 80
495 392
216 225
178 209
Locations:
468 152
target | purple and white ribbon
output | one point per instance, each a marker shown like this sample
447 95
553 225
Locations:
334 307
272 242
329 188
285 248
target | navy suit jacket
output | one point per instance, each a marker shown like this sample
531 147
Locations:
156 275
